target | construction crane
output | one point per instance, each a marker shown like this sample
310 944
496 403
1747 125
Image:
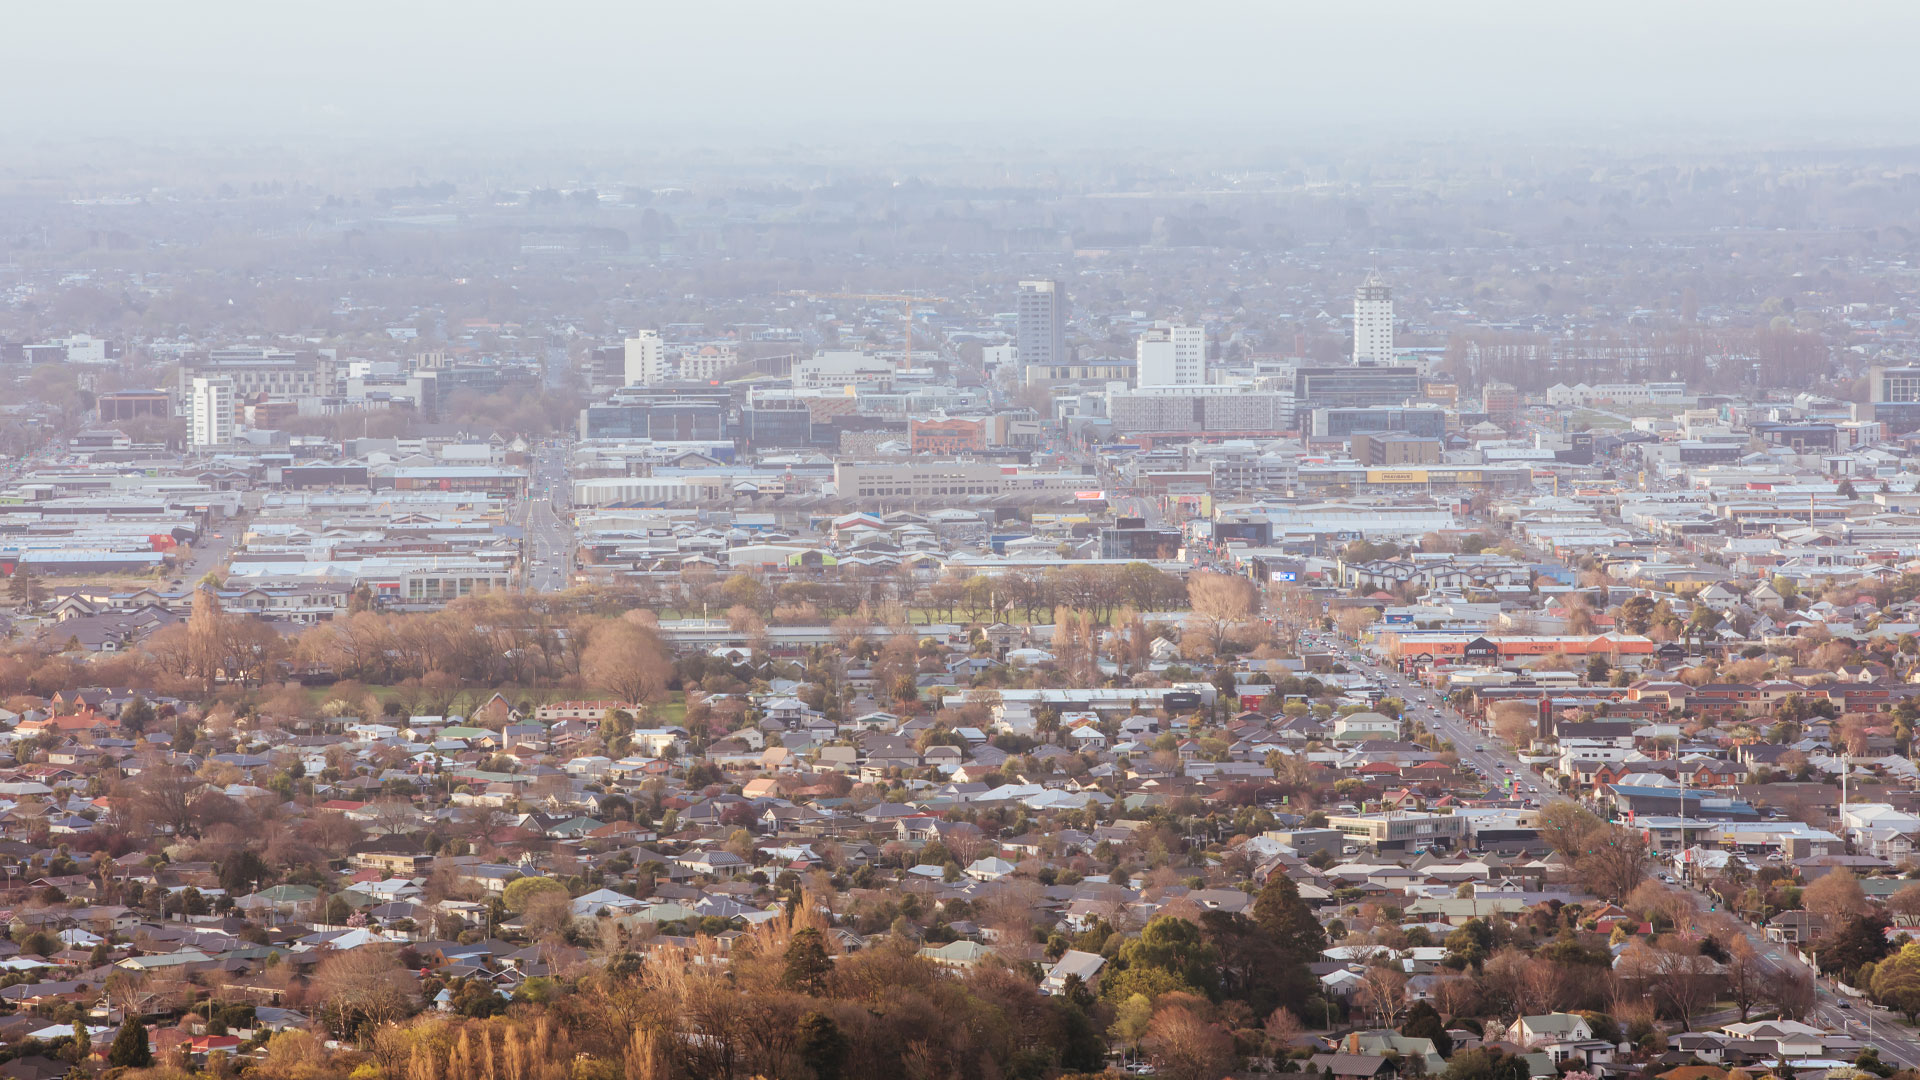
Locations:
894 298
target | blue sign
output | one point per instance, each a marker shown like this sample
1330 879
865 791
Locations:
1288 575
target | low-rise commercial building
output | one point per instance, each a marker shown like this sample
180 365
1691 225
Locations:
1401 831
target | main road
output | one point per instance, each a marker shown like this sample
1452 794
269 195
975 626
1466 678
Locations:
1496 762
1872 1025
1876 1027
547 535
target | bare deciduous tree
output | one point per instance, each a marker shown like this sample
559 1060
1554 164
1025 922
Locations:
1282 1028
1685 979
1382 993
1656 902
361 989
1613 863
627 659
1835 894
1793 993
1223 605
1746 976
1186 1047
392 817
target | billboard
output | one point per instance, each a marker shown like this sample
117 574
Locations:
1090 496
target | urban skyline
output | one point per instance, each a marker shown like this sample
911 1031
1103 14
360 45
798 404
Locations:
984 542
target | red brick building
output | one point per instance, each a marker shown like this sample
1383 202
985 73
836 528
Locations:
946 436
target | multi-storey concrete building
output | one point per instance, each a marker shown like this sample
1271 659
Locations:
304 380
210 412
1172 355
1395 448
836 368
1373 322
1040 326
646 358
1214 407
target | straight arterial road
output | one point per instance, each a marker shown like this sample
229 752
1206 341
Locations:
1496 762
547 536
1897 1043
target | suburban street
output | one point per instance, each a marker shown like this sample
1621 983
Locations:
548 535
1897 1043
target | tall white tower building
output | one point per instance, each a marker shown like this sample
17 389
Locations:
646 359
1373 322
1171 355
210 413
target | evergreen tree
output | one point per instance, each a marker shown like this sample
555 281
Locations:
807 963
136 715
130 1049
1082 1048
1169 954
1252 968
25 587
81 1048
1288 922
1471 944
1481 1064
1860 940
821 1046
1597 670
1423 1022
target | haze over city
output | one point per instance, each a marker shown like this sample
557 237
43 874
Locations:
1214 76
1000 541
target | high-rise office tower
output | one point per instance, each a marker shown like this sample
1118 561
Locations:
1172 355
1040 332
646 359
1373 322
210 415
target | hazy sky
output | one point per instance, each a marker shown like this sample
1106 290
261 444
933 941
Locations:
1181 70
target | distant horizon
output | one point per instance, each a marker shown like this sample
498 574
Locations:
1224 75
77 165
